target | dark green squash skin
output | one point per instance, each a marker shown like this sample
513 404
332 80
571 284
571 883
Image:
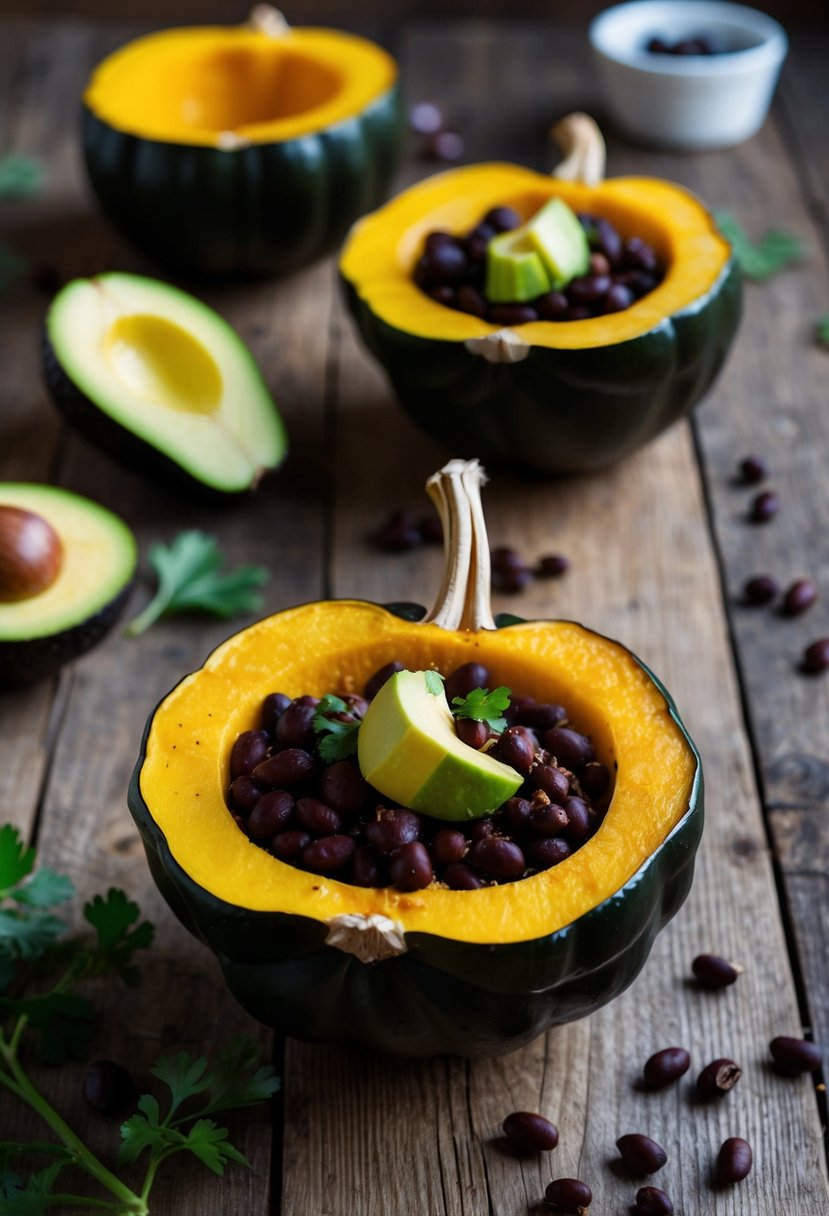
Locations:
266 209
559 411
441 996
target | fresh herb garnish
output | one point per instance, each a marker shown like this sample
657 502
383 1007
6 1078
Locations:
32 945
774 251
20 176
340 738
484 706
190 579
822 330
434 682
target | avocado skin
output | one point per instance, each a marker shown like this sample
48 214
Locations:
122 445
31 659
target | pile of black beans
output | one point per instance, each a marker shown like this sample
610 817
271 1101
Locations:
326 819
452 270
700 44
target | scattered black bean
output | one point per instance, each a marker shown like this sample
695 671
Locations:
795 1056
752 469
641 1154
816 657
764 507
799 597
512 314
699 45
425 118
511 582
579 820
503 557
666 1066
109 1088
650 1201
761 589
411 867
553 306
734 1161
569 1196
552 566
469 300
713 971
398 534
446 146
718 1077
530 1133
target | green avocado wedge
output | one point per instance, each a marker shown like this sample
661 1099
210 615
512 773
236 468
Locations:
162 383
409 750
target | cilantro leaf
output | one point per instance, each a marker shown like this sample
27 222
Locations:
44 889
233 1084
484 706
190 579
340 739
111 917
822 330
28 935
183 1076
16 858
141 1132
20 176
774 251
210 1144
434 682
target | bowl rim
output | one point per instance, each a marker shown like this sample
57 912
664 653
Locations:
768 53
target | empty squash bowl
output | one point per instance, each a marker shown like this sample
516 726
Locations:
688 101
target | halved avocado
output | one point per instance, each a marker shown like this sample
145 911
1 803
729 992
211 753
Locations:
88 591
162 383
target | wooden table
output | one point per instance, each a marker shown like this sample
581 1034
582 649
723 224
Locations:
659 549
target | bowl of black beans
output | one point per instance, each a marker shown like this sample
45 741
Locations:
688 74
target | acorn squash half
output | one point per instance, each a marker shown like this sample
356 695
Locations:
470 972
241 150
557 397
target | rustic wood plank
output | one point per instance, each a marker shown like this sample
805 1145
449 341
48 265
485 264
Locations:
643 570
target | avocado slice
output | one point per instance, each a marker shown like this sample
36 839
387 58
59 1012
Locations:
162 383
561 242
514 269
407 749
87 594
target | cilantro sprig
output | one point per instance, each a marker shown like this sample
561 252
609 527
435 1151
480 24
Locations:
33 945
339 739
484 706
759 260
191 579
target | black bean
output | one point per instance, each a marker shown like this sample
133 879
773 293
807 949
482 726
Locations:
517 812
328 854
295 727
650 1201
286 769
713 971
430 529
552 306
444 295
250 749
546 852
551 821
480 828
272 813
375 683
569 747
318 818
288 846
641 1154
425 118
764 507
515 748
734 1160
438 238
551 780
245 793
795 1056
594 779
503 219
718 1077
553 565
443 264
464 678
578 312
497 857
638 255
617 298
639 282
607 241
569 1196
543 716
357 706
308 700
274 704
410 867
445 146
588 289
800 596
530 1133
666 1066
511 582
109 1088
599 264
399 534
512 314
752 469
343 788
448 846
816 657
392 828
503 557
366 867
761 589
459 877
579 820
471 732
469 300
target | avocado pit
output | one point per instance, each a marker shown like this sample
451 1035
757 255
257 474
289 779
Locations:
31 554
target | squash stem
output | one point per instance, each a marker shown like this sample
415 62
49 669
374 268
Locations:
584 150
463 601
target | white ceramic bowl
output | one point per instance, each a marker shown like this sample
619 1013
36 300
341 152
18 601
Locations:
688 102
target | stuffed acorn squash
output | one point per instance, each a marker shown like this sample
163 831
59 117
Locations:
423 972
555 396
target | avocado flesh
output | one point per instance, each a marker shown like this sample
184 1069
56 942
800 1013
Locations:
99 559
557 235
409 751
159 379
514 269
